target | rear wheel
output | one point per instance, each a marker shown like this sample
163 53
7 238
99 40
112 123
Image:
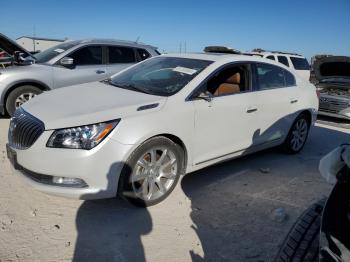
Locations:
302 241
152 172
297 135
19 96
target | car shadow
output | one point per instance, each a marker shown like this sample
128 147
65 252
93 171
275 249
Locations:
111 229
233 204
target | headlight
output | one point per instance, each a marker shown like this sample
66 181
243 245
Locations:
82 137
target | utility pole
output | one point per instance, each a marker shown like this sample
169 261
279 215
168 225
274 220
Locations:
180 47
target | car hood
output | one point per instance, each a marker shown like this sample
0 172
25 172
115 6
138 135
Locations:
10 46
332 69
88 104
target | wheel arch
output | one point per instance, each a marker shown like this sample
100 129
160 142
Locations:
42 86
177 140
308 114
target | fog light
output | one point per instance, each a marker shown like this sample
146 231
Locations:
68 181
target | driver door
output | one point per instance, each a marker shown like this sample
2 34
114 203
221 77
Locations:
88 66
225 124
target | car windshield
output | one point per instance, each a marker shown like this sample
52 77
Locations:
162 76
50 53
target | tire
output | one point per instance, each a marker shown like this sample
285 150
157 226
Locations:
301 135
302 241
140 171
22 93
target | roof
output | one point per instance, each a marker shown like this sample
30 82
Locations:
42 38
217 57
114 41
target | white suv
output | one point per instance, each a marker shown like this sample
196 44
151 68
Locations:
294 61
136 133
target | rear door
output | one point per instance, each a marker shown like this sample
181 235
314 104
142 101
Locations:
119 58
277 98
88 66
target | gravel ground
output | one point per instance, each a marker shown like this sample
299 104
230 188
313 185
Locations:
236 211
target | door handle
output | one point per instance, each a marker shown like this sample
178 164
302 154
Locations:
100 72
251 109
292 101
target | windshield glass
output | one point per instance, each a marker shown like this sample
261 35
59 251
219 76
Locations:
162 76
50 53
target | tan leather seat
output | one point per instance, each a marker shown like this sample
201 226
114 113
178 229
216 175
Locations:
231 86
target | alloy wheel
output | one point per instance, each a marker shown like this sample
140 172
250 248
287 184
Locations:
299 134
154 173
20 100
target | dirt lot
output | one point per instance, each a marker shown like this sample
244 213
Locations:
235 211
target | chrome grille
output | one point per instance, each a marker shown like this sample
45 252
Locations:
24 129
333 105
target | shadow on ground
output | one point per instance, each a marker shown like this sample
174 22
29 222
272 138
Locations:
234 204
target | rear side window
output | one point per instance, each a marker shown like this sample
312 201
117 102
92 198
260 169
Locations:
89 55
300 63
271 57
120 54
289 78
270 76
143 54
283 60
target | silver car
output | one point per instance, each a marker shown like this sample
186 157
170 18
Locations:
69 63
331 75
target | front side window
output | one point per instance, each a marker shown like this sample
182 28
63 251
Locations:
163 76
121 55
283 60
229 81
270 76
89 55
300 63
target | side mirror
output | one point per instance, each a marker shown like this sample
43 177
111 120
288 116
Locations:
207 96
67 62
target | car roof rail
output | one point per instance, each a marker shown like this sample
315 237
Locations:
260 50
221 49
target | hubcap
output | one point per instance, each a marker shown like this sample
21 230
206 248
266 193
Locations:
154 173
299 134
23 98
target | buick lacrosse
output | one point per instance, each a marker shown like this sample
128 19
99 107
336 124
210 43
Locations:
136 133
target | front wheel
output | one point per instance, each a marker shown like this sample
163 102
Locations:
297 135
151 172
19 96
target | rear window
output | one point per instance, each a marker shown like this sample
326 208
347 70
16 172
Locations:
300 63
283 60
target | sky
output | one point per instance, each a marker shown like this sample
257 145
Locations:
307 27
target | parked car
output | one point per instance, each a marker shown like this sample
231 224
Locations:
69 63
136 133
332 79
322 232
295 61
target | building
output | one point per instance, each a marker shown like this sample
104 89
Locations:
37 44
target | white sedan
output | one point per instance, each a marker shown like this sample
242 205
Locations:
134 134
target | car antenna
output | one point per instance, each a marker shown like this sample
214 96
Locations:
137 39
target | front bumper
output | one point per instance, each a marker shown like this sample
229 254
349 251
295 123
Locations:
99 167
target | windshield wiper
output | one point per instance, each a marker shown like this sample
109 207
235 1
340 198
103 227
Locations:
127 86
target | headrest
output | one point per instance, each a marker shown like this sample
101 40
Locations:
234 79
